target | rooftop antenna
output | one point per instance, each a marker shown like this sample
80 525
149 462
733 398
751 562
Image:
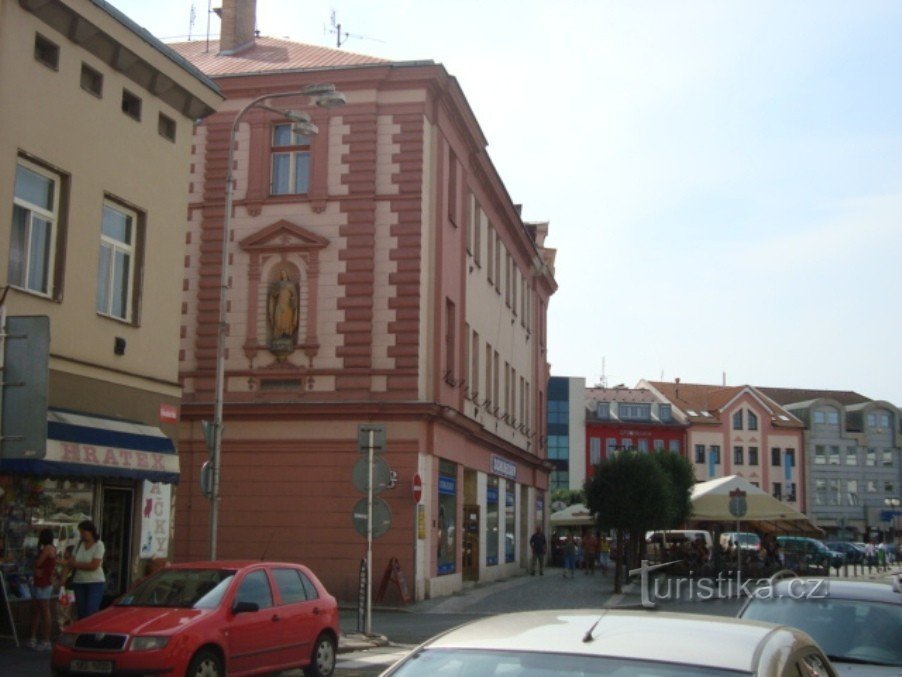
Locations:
341 37
191 18
603 380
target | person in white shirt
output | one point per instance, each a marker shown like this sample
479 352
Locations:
87 561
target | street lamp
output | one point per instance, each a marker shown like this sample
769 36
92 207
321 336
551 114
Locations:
324 96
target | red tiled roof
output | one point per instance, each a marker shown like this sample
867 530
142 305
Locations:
266 55
793 395
700 397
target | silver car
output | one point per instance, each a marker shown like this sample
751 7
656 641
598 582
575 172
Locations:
615 642
858 624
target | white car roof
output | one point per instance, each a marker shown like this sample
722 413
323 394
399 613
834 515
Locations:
653 636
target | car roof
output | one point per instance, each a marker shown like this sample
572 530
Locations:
642 635
230 564
836 588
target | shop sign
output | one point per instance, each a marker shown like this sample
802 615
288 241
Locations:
111 457
504 468
447 485
169 413
155 517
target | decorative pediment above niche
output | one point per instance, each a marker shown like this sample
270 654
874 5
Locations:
283 236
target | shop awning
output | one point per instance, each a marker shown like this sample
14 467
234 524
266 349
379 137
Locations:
79 445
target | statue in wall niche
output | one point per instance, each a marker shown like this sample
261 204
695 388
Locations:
282 314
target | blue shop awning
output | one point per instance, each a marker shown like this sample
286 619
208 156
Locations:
80 444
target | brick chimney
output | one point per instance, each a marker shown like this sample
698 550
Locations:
239 23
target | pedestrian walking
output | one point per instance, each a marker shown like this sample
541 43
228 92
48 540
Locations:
604 554
87 561
44 566
590 551
538 544
569 556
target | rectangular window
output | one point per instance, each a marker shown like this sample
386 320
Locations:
872 420
790 458
498 247
753 421
447 518
603 410
491 522
852 456
515 284
490 254
626 443
888 486
834 495
496 385
819 416
116 269
290 161
474 367
487 399
674 446
753 455
791 492
131 104
778 491
884 420
507 389
611 445
833 417
477 236
737 420
46 52
166 127
699 453
595 450
738 455
775 456
659 445
507 278
450 348
91 80
634 412
715 452
452 188
852 492
870 457
871 486
643 445
664 412
820 454
833 458
887 457
35 225
510 522
820 492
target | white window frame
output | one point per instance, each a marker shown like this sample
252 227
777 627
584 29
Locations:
116 246
50 217
300 146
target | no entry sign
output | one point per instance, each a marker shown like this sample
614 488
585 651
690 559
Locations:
417 486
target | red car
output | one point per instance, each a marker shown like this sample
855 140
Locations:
207 619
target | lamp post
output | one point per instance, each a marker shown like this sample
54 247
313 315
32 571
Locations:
324 96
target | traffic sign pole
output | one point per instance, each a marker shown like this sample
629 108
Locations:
369 538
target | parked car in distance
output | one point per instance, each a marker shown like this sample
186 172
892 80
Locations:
858 624
747 541
207 619
853 552
802 552
584 642
655 540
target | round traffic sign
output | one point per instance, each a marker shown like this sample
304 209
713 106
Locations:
381 517
360 475
417 487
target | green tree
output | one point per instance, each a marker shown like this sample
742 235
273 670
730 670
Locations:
568 496
629 493
681 474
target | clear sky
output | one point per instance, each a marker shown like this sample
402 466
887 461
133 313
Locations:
723 180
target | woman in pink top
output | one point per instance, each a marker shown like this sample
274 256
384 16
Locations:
44 566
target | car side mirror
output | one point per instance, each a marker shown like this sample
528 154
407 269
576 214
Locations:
245 607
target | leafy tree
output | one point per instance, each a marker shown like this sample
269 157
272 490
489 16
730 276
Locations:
681 474
629 493
568 496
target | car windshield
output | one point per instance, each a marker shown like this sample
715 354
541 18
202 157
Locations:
466 662
847 630
185 588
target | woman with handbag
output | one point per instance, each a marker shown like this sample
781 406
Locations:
89 581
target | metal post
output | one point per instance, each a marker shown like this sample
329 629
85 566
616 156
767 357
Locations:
369 536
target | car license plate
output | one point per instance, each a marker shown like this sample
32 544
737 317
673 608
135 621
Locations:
91 666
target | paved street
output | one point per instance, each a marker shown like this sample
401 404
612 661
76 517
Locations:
406 627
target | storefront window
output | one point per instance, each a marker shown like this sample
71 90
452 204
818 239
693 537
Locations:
447 512
510 541
28 505
491 522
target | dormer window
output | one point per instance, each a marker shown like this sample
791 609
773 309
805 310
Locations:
664 412
603 410
634 412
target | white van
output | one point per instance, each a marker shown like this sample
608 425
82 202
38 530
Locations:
675 538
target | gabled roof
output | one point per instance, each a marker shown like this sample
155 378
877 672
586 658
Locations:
267 55
786 396
707 399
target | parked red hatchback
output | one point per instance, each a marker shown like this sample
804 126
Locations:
208 618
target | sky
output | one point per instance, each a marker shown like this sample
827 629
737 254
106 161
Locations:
723 179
